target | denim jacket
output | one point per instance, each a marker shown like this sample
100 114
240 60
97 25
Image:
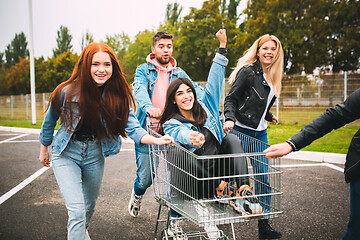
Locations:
144 84
63 135
210 102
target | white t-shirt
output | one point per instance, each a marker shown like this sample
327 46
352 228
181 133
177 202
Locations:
263 123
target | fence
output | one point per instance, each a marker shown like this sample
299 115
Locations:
303 97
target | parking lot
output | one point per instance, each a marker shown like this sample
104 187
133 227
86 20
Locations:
315 200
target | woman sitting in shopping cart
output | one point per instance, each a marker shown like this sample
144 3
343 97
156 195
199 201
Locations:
195 124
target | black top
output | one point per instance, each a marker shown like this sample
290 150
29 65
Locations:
85 131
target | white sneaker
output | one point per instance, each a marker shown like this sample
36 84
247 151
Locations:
87 236
176 231
134 205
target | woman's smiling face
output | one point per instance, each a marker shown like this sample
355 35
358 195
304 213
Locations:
101 68
266 53
184 98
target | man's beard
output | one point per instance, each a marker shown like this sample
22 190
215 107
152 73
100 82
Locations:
163 62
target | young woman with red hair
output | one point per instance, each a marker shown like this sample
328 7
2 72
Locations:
95 108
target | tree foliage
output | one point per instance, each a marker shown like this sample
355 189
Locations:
16 49
86 39
63 41
58 69
314 33
18 77
196 43
137 53
173 12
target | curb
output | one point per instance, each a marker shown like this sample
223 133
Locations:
37 131
323 157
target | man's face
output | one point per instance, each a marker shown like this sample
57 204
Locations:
163 51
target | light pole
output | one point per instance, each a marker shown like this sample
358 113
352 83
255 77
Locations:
32 67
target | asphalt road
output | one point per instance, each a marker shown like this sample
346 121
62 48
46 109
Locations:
315 199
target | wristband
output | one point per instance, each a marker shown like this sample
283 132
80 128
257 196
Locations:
292 145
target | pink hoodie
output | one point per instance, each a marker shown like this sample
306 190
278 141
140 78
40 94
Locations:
162 82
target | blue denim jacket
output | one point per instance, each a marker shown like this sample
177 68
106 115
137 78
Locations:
210 102
144 83
63 135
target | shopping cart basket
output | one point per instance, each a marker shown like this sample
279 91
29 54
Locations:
180 183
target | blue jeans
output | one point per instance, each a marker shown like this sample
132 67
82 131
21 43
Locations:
79 171
353 230
143 172
260 165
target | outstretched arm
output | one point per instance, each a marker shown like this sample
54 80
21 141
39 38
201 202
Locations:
278 150
148 139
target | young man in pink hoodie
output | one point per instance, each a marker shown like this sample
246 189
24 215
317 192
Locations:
150 85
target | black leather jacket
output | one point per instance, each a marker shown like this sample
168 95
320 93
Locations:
247 98
334 118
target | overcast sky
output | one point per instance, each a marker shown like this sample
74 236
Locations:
100 18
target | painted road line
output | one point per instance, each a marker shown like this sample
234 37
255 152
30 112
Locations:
22 141
313 165
127 149
23 184
13 138
334 167
301 165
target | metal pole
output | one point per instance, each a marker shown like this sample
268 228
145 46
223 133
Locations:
277 108
345 85
27 106
12 106
32 67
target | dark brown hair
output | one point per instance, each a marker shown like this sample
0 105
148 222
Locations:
161 35
171 108
108 115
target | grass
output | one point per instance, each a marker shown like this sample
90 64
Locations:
21 123
337 141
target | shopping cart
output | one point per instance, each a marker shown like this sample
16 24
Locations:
180 183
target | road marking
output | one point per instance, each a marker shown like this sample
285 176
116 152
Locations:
313 165
13 138
127 149
23 184
22 141
334 167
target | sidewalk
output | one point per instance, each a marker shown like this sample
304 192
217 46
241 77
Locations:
335 158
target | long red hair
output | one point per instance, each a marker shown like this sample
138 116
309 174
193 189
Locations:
108 115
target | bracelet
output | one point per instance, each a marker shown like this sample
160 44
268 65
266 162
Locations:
292 145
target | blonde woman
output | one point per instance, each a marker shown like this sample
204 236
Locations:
256 83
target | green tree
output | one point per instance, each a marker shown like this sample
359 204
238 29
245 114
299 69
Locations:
137 52
173 12
4 90
16 49
86 39
196 41
232 10
2 62
58 69
344 41
18 78
41 84
63 41
314 33
120 44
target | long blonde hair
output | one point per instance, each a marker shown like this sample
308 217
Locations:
274 70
